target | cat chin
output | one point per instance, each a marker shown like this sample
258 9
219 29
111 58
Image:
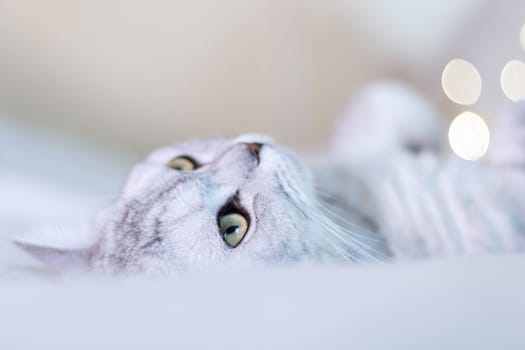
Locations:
254 138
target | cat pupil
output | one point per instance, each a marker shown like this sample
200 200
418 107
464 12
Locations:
232 229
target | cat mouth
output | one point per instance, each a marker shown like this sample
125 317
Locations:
255 150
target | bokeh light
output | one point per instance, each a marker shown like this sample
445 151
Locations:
513 80
522 37
461 82
469 136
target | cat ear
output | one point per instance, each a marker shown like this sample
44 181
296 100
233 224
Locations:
78 259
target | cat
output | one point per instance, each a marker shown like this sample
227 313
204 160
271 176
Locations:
426 202
383 189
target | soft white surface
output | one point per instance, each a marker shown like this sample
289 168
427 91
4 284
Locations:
462 303
51 185
48 176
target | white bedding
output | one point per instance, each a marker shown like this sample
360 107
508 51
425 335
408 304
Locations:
461 303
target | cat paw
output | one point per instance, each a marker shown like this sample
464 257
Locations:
386 117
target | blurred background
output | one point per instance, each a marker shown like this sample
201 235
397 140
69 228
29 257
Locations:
88 87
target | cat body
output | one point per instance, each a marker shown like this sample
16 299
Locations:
424 201
383 190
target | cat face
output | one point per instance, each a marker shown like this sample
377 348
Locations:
202 205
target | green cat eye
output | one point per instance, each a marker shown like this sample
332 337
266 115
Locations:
182 163
233 228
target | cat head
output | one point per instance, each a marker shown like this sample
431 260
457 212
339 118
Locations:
204 204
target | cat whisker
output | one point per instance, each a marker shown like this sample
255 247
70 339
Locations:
348 238
365 234
351 239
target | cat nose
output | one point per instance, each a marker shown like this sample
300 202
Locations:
255 149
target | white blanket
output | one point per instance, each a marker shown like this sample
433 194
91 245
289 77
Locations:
461 303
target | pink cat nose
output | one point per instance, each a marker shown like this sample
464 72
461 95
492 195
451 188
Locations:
255 148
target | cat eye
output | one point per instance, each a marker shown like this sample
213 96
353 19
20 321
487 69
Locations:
233 228
182 163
